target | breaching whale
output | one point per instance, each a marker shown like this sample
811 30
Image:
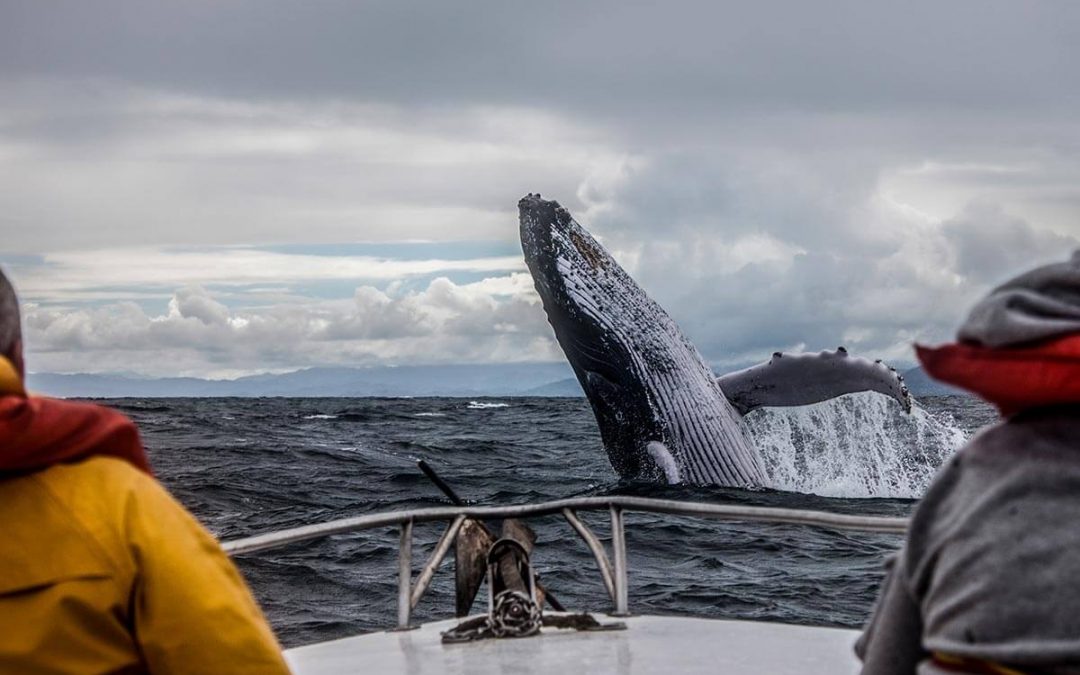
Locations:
662 412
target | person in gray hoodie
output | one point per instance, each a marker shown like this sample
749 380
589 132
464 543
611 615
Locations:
989 578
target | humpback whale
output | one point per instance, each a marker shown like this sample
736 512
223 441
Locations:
662 412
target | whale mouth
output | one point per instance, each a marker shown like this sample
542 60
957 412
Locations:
573 273
544 225
565 263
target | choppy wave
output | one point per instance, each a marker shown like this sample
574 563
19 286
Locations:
140 407
362 461
484 405
860 445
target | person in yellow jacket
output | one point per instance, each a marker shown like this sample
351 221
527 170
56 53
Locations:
101 570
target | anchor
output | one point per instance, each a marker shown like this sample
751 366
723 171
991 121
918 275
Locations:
516 597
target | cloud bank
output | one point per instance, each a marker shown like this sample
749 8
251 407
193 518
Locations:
210 189
494 320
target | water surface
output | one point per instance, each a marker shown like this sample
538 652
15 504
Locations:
246 466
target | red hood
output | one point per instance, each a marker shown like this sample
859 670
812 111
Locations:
1012 378
36 433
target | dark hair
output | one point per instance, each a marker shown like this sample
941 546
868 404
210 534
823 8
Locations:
10 328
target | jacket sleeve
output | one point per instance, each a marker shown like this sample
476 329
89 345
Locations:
891 643
192 612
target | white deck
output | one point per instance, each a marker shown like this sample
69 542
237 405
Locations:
650 644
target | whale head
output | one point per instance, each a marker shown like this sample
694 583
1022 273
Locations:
660 412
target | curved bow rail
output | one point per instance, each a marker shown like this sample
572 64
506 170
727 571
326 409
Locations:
614 575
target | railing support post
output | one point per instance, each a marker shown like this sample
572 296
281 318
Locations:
618 546
602 562
404 607
445 542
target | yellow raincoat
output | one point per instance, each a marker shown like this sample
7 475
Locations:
101 571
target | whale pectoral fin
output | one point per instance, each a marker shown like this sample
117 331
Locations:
802 379
665 461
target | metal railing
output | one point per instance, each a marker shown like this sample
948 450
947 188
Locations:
614 576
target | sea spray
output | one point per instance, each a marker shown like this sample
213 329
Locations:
859 445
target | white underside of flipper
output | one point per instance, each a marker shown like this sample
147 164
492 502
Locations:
663 459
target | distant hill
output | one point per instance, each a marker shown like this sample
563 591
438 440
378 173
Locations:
526 379
522 379
563 388
921 384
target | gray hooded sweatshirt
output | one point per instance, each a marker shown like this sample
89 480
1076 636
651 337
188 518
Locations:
991 568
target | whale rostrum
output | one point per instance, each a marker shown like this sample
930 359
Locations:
662 413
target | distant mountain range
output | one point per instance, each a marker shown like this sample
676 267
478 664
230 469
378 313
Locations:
529 379
920 384
524 379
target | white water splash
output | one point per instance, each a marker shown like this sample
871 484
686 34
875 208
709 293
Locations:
859 445
320 417
478 405
429 414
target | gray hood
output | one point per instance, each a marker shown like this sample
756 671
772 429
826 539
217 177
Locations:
1037 305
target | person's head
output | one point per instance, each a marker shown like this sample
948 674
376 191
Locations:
10 326
1019 348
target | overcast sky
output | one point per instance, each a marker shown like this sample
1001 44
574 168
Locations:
228 187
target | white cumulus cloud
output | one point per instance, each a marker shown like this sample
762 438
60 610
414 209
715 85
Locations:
496 319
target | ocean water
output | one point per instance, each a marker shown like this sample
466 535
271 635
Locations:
246 466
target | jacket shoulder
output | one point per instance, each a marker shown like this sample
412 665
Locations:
97 494
80 505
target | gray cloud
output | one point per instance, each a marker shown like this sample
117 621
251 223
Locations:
845 55
193 302
990 244
753 255
159 167
777 174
